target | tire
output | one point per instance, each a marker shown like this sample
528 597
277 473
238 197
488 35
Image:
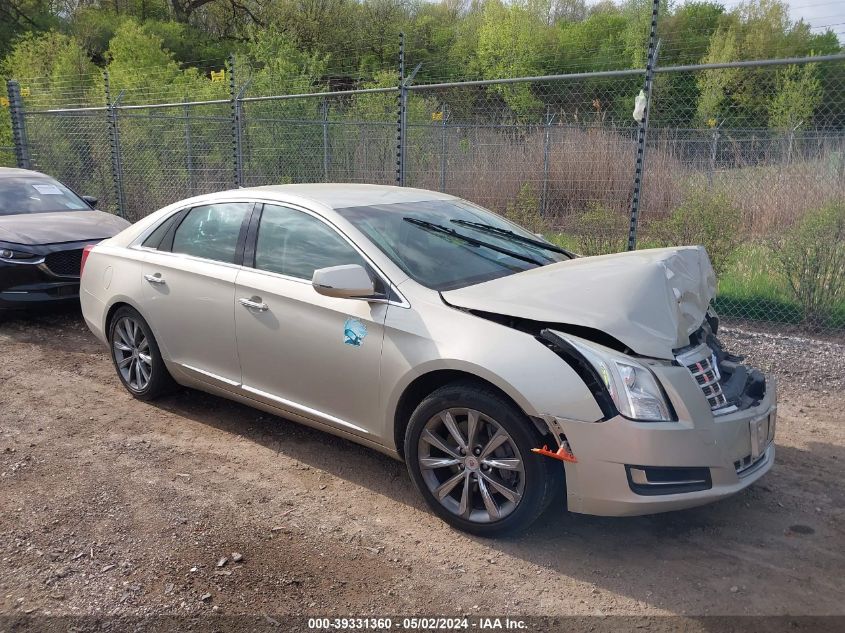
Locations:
136 356
526 481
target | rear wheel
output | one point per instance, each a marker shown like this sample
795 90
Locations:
469 453
136 356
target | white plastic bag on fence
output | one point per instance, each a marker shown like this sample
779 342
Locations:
639 106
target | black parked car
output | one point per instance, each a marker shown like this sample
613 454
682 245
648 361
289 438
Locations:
43 228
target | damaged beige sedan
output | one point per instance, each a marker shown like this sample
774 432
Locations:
499 366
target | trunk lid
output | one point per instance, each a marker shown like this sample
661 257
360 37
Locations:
650 300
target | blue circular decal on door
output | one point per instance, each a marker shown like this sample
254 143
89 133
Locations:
354 332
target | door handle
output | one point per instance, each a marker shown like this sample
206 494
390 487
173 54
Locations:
154 279
254 305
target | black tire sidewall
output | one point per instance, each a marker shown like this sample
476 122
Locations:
160 378
538 477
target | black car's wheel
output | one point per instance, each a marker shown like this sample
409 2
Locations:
469 453
136 356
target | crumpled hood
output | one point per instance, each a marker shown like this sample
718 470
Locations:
61 226
650 300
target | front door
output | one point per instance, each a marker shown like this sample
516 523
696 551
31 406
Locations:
189 286
304 352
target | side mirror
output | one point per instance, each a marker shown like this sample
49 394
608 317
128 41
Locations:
347 282
91 200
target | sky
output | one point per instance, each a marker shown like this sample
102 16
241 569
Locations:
819 14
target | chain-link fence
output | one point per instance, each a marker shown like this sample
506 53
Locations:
7 157
755 174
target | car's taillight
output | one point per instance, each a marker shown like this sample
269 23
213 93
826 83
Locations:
85 253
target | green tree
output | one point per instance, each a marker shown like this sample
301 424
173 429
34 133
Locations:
798 95
21 17
749 96
715 85
140 65
511 44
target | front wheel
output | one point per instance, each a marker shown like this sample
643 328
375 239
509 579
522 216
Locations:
136 356
468 451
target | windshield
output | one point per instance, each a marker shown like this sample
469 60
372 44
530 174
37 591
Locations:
31 194
448 244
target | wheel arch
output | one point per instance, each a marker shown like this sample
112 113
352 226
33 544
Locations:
424 384
121 301
114 306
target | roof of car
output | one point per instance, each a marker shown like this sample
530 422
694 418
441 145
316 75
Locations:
10 172
342 195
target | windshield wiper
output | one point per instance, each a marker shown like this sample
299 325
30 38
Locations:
444 230
495 230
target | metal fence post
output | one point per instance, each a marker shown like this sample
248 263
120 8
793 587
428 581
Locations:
364 146
237 140
325 112
18 124
651 62
402 128
189 150
400 123
546 147
443 149
792 142
114 145
714 146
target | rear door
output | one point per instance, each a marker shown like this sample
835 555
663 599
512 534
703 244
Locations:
307 353
189 289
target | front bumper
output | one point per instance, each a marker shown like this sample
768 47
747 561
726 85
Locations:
600 481
24 285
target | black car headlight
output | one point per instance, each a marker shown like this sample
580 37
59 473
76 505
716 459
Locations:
13 256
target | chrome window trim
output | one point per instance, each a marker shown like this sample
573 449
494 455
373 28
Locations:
201 260
384 278
138 242
137 245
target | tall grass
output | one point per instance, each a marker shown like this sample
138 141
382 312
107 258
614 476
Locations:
589 166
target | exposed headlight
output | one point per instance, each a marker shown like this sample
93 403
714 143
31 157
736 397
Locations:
632 386
9 255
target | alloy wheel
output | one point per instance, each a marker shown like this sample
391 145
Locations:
471 465
132 354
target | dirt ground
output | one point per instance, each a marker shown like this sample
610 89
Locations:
113 506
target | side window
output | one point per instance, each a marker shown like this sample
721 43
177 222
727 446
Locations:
296 244
154 239
211 231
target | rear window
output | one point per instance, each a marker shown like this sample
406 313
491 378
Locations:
211 231
26 194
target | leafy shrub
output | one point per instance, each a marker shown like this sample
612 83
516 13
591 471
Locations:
525 210
811 256
707 218
601 230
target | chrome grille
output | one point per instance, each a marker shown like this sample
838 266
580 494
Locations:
701 362
65 263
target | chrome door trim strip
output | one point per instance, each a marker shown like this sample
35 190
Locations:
185 256
268 273
233 383
308 411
